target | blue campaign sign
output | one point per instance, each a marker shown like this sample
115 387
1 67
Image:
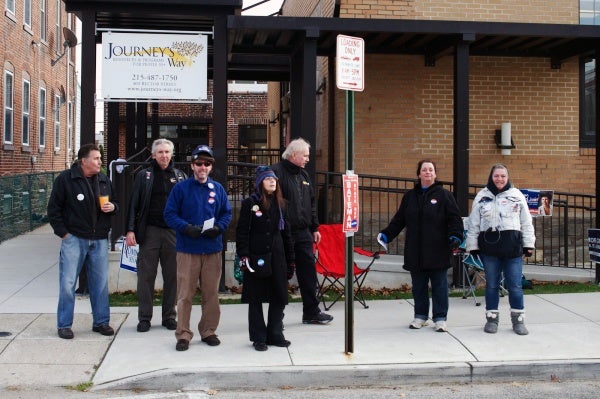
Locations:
533 199
594 244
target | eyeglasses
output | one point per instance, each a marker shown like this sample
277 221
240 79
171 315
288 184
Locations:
205 163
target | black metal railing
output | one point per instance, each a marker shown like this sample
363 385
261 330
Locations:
24 200
561 239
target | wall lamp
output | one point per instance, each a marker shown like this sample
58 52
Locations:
273 117
70 42
322 87
503 138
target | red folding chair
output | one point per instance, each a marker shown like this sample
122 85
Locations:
331 265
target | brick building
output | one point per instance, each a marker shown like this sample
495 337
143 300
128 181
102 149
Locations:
405 112
38 87
190 124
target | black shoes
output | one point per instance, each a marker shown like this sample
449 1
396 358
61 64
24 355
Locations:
65 333
319 318
211 340
104 329
182 345
260 346
282 344
170 324
143 326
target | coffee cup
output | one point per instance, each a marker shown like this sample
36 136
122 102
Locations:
103 199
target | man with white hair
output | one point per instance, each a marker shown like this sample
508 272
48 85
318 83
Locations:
146 226
302 212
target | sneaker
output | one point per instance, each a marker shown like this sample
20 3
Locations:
440 326
170 324
143 326
65 333
104 329
260 346
182 345
418 323
211 340
319 318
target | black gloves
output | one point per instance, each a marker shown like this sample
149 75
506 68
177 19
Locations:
193 231
213 232
290 270
527 252
454 242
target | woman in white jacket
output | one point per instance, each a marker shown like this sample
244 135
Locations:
501 231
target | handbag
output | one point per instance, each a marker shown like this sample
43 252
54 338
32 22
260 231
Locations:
260 265
238 273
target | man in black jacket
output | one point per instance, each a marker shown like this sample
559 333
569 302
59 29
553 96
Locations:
146 226
80 208
302 211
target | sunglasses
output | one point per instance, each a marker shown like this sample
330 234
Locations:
205 163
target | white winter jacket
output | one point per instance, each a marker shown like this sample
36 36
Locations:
506 211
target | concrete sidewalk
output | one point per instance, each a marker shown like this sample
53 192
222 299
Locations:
563 341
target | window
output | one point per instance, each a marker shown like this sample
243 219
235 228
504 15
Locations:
58 40
8 106
57 122
27 13
589 14
26 110
43 21
69 125
10 6
42 117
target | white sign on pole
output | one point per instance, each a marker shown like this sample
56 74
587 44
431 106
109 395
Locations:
154 66
350 59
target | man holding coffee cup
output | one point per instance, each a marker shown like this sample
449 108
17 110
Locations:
80 216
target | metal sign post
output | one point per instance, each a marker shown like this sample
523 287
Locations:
350 77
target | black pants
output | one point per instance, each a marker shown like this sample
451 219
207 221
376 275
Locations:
306 273
272 331
159 246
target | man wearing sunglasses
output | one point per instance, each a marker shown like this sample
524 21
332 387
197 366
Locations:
199 211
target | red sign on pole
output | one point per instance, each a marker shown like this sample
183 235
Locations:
350 187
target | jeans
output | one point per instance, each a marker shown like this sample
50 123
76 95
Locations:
73 252
512 270
439 294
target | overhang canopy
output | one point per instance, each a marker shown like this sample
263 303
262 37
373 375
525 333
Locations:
264 43
259 48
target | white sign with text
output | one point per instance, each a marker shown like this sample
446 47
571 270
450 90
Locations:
350 59
149 66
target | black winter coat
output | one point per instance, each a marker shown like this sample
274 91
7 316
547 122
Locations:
258 232
431 217
139 203
73 205
297 190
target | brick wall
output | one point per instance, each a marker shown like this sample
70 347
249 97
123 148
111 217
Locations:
406 111
242 108
564 12
405 114
28 57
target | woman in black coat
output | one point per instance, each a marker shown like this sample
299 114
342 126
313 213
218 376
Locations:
266 250
433 227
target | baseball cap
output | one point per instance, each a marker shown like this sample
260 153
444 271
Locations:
203 151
